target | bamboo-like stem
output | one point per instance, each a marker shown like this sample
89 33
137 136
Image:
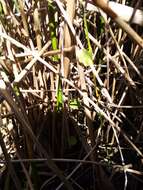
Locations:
68 38
23 16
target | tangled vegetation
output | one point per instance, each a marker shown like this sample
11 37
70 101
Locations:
71 98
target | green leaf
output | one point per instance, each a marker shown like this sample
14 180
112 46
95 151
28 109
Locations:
59 97
85 57
86 34
74 104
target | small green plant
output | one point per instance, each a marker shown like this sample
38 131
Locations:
59 105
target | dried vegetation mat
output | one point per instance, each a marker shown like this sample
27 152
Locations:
71 98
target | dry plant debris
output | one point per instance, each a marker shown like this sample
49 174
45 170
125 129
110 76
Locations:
71 98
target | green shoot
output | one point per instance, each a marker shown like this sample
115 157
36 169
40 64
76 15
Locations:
59 105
